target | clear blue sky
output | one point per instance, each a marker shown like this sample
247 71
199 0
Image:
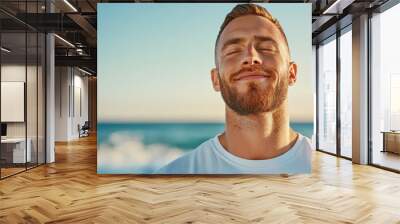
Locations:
154 60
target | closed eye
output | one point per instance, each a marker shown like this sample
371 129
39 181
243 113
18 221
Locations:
232 52
267 49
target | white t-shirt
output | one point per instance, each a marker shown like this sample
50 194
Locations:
211 158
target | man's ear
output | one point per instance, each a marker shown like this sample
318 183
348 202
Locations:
292 73
215 79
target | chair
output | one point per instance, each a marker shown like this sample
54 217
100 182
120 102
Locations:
84 130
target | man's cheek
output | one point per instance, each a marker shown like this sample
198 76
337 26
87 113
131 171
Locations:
271 61
232 60
224 76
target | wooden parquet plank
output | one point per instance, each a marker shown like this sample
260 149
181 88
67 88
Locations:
70 191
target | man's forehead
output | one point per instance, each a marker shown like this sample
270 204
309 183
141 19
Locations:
249 26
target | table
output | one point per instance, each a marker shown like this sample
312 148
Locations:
19 155
391 141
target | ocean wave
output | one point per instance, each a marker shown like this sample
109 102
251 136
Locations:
125 153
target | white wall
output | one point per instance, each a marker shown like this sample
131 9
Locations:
13 101
62 81
12 73
70 83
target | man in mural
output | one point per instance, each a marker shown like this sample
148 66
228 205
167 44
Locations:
253 72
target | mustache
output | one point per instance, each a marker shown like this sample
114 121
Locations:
253 68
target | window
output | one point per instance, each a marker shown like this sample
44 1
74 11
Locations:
327 96
385 89
346 92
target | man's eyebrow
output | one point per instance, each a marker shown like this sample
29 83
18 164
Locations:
239 40
266 39
232 41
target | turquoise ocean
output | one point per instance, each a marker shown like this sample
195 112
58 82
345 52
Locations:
141 148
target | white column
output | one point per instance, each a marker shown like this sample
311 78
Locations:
50 99
360 90
50 91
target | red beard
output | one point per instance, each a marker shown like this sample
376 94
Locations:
257 99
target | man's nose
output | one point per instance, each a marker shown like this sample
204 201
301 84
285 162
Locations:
251 57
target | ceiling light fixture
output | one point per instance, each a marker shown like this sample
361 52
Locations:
331 7
70 5
64 40
5 50
84 71
337 7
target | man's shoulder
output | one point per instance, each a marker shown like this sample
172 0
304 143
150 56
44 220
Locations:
188 162
307 143
304 155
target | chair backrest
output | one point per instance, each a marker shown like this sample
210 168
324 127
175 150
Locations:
86 125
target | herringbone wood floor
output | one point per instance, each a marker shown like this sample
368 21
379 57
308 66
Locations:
70 191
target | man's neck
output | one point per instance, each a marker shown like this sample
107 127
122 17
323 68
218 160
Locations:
257 137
